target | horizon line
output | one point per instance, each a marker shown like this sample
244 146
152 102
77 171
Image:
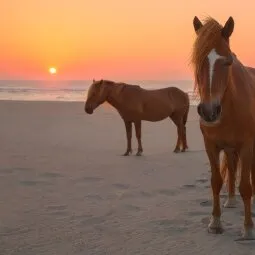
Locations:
15 79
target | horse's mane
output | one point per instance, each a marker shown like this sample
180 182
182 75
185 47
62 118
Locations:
208 37
108 82
119 86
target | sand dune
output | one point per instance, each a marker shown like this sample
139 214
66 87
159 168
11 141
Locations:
66 189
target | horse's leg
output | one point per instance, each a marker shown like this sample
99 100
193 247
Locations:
245 189
213 154
253 175
138 131
253 181
177 121
184 142
231 160
128 125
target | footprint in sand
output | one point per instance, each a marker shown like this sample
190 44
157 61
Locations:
202 180
170 225
15 169
122 190
123 194
146 194
91 179
94 197
19 230
205 203
92 220
121 186
132 208
51 175
168 192
34 183
56 209
23 169
189 186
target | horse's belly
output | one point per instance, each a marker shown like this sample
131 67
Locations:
155 112
154 117
145 115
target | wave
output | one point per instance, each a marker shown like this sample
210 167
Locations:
70 90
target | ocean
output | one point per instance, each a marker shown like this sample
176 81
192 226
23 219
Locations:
72 90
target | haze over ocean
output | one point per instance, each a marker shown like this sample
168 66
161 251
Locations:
71 90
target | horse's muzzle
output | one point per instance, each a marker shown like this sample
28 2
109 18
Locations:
209 112
88 109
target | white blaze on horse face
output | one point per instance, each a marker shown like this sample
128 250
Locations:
213 56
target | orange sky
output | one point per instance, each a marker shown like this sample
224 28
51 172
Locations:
113 39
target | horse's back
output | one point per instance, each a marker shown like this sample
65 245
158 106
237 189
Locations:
169 100
152 105
170 95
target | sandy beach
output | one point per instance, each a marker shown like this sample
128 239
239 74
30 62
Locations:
66 189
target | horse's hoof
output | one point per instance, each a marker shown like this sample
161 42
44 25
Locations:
177 150
215 226
253 200
127 153
139 153
216 231
248 234
230 203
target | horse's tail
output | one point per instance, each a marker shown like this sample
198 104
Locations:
224 167
185 117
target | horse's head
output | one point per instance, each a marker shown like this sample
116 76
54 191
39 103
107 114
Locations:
97 94
212 60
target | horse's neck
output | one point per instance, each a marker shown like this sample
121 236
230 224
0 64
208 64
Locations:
113 101
242 78
240 93
113 97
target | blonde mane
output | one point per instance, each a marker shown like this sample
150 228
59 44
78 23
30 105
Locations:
208 37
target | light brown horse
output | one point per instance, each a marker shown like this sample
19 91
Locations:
227 117
135 104
235 161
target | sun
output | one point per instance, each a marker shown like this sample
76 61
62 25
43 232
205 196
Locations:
52 70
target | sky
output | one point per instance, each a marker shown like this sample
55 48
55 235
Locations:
113 39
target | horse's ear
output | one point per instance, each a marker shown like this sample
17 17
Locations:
197 24
94 80
228 28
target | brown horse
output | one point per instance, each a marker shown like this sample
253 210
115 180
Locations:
225 171
135 104
227 117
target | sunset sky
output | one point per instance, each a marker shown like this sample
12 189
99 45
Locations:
112 39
